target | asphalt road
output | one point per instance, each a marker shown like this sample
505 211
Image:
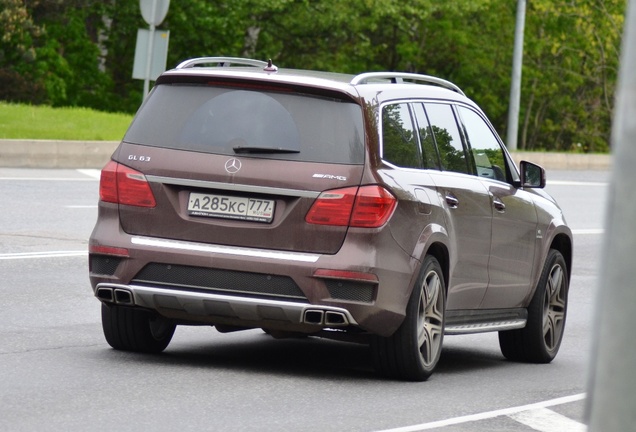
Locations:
58 373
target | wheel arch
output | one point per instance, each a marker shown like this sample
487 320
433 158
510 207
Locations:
441 254
563 243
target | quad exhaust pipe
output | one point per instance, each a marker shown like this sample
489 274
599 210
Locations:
314 315
327 318
115 295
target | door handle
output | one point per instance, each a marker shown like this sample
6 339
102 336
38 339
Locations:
452 201
499 205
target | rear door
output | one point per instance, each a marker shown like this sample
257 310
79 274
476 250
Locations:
467 207
408 150
239 166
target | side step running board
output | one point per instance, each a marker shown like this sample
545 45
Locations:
484 320
459 329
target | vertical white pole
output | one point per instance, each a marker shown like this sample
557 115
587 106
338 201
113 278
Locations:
515 84
611 405
151 39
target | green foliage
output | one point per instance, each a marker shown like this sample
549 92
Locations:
571 71
17 54
80 52
400 145
19 121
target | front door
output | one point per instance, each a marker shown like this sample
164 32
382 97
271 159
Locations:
514 221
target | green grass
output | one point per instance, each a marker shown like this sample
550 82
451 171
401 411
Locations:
19 121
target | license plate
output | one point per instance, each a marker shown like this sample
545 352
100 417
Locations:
231 207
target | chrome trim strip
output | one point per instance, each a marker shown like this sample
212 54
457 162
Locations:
485 327
226 250
232 187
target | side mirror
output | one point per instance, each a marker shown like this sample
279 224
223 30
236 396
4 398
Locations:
532 175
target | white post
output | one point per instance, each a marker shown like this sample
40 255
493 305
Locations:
515 84
611 402
151 39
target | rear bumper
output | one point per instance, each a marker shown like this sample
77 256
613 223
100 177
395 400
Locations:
211 307
312 303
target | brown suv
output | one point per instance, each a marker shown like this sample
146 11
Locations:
381 208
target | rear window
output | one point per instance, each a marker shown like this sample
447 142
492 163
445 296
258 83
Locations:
230 121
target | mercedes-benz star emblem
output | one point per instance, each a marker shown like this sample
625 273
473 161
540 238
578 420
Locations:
232 166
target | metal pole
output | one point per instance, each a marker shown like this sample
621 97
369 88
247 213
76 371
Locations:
515 85
151 39
611 402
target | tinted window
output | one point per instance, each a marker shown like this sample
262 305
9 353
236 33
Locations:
447 137
486 150
217 120
399 142
427 142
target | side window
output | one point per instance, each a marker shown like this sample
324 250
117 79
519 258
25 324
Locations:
486 150
448 139
429 152
399 142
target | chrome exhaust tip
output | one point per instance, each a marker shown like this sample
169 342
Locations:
105 294
325 318
313 316
335 319
123 297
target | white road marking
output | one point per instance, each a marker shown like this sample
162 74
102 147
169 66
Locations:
545 420
588 231
489 415
77 179
575 183
38 255
94 173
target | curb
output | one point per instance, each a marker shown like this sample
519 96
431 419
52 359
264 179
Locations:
55 154
95 154
566 161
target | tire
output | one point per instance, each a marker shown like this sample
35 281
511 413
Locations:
130 329
540 340
413 351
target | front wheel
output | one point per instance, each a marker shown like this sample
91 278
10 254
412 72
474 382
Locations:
540 340
132 329
413 351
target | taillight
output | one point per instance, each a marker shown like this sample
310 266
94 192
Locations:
108 183
122 185
333 207
365 207
374 206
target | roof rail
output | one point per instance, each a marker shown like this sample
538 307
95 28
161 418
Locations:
398 77
222 62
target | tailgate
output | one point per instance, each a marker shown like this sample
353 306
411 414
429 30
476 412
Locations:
234 200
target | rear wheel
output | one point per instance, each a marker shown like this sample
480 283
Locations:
540 340
131 329
413 351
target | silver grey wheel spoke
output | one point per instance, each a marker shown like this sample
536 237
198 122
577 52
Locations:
424 341
422 334
430 318
554 310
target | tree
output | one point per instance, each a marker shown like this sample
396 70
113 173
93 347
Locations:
570 72
17 53
80 52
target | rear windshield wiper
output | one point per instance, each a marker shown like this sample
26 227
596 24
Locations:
251 149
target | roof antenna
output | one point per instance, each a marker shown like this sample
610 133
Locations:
271 67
